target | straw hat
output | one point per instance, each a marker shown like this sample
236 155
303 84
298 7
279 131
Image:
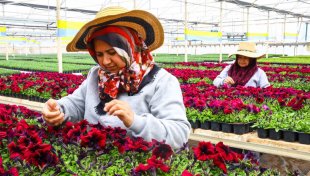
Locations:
146 24
247 49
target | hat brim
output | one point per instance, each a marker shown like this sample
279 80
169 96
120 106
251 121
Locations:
145 23
248 54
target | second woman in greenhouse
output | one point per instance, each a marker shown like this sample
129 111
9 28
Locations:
244 71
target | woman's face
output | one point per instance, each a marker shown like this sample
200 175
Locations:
243 61
107 57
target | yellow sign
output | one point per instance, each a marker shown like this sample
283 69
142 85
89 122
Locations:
2 29
203 33
63 24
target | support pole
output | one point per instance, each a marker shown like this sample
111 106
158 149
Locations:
185 26
6 42
299 19
284 24
267 37
268 24
247 21
306 35
267 49
221 31
134 4
7 50
59 52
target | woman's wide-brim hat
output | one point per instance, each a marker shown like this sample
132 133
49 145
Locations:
145 23
247 49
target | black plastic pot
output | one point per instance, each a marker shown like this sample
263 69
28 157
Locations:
227 127
31 98
289 136
275 135
216 126
304 138
206 125
195 124
24 96
241 128
251 128
262 133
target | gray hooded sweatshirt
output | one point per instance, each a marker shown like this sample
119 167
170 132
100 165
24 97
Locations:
158 107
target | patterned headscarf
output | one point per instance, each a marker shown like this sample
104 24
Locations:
133 51
241 75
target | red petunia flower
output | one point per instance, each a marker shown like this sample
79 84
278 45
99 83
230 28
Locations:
138 144
186 173
1 166
16 151
204 151
116 132
158 164
220 163
83 125
72 135
259 100
13 172
121 144
163 151
281 101
2 135
95 138
142 168
40 155
227 110
226 153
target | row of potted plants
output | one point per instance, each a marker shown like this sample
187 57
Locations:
277 68
240 105
278 79
41 66
286 124
42 85
229 123
289 136
29 147
227 105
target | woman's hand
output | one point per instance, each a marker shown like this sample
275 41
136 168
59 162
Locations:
121 109
229 80
51 113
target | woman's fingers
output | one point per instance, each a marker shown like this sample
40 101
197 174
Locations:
57 120
52 105
51 113
229 80
114 108
120 109
124 116
108 105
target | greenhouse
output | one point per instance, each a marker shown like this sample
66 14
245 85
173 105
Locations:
174 87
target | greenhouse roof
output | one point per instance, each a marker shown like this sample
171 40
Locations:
36 19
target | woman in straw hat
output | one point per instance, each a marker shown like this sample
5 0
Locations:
244 71
126 89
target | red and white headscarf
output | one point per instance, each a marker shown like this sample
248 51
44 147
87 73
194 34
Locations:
132 49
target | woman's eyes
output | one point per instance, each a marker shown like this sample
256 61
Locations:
99 54
109 52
